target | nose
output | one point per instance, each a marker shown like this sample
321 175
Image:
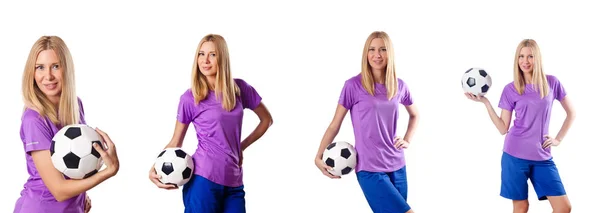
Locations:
49 75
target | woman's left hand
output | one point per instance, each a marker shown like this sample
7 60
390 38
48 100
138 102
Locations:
550 141
88 204
400 143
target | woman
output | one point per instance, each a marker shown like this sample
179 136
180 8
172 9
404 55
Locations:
51 103
373 98
527 144
215 104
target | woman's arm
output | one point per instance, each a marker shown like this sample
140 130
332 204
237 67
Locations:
502 123
265 122
63 189
413 120
568 107
332 130
178 135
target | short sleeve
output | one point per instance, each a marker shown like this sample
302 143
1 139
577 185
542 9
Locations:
35 133
185 109
250 97
405 96
81 112
506 99
347 98
559 90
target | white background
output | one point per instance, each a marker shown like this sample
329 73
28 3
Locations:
133 60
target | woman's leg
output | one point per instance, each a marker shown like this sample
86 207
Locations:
201 195
548 185
515 173
381 194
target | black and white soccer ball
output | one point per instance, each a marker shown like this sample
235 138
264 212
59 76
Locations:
341 156
476 81
174 166
72 152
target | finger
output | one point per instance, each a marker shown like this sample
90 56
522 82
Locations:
106 138
100 150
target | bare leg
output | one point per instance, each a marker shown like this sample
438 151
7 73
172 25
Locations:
520 206
560 204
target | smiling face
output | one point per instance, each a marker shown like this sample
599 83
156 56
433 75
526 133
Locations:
48 74
526 60
377 56
207 59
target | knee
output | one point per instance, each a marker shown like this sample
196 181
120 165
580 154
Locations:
520 206
562 209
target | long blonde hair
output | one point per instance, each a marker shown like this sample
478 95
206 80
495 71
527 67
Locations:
225 87
538 75
391 82
68 107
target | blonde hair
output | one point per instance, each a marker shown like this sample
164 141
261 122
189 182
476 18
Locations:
68 107
225 87
538 75
391 82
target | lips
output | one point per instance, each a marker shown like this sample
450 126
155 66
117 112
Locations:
50 86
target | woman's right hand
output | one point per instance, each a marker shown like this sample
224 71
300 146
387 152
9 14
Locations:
109 155
155 178
477 98
324 168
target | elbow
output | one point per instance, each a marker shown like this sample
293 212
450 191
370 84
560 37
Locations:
267 121
59 195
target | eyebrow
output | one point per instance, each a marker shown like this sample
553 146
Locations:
50 64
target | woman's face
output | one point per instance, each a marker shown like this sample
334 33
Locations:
377 54
48 74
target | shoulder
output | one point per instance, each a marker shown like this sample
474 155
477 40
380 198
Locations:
401 83
241 83
552 79
353 81
31 117
187 95
510 86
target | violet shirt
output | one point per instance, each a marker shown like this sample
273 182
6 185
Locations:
218 132
36 134
532 117
374 119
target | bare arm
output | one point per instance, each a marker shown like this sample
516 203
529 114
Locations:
63 189
413 120
568 107
265 122
332 130
178 135
502 123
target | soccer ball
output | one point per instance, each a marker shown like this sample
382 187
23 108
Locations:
341 156
476 81
72 152
174 166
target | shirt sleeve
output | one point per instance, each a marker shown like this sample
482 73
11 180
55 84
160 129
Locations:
36 134
506 100
405 96
347 98
250 97
185 110
559 90
81 112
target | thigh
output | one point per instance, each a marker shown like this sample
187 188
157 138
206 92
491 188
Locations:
201 195
235 201
546 181
515 173
380 192
398 178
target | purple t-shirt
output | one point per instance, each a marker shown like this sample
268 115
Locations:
532 117
218 132
36 134
374 119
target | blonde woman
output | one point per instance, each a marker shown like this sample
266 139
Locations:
527 144
51 103
215 104
373 98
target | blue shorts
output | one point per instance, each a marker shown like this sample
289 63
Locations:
201 195
543 175
385 191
